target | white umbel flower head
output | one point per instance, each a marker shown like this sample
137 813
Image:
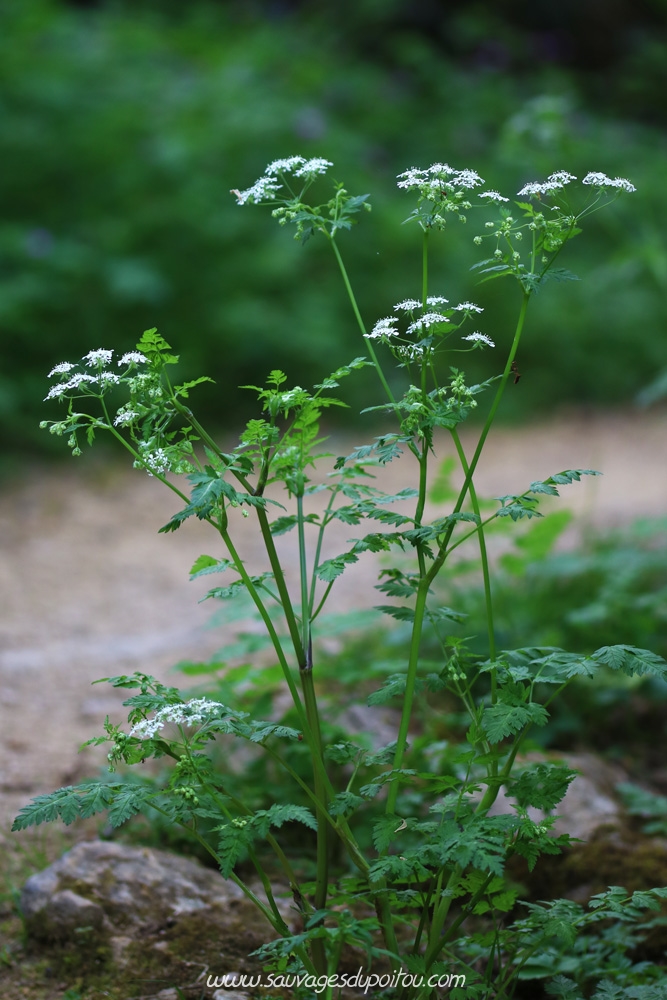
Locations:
313 167
495 196
61 368
468 307
480 338
438 179
426 321
555 182
190 713
284 166
384 328
264 189
599 180
126 415
133 358
98 359
408 305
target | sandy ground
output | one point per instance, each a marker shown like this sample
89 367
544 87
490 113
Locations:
89 588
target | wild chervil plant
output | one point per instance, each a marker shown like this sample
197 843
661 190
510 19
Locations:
430 898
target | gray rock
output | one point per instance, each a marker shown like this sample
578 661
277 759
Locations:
154 915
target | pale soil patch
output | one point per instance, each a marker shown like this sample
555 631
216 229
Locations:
89 588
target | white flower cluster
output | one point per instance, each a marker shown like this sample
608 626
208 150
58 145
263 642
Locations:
495 196
480 338
189 713
99 359
132 358
125 415
437 179
559 179
554 182
266 187
601 181
61 368
426 321
385 327
468 307
408 305
157 462
78 379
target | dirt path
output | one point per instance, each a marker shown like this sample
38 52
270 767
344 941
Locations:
89 588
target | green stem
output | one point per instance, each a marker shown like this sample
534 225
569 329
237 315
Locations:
303 576
483 557
410 683
360 322
439 560
265 528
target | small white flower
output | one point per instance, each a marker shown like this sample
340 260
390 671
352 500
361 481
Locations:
467 179
494 196
384 328
55 391
284 166
533 188
133 358
264 189
436 300
562 177
314 166
109 377
426 321
481 338
98 359
438 179
411 178
600 180
189 714
411 352
468 307
554 182
156 462
441 170
124 417
61 368
77 379
408 305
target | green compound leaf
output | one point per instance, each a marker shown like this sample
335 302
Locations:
156 347
204 565
127 802
75 801
398 611
183 390
631 661
392 687
233 843
384 831
344 804
63 804
502 720
282 525
277 815
564 989
542 786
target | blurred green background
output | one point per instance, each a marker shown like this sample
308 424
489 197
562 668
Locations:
123 126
